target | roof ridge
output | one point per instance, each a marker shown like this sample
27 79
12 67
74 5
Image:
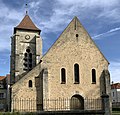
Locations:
76 20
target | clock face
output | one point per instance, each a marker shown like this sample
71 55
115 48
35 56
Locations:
27 37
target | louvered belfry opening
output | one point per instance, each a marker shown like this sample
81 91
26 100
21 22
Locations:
27 60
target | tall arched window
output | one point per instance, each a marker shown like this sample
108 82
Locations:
63 76
27 60
30 83
76 73
93 76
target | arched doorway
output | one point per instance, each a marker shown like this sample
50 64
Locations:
77 102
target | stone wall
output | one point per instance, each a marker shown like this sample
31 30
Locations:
74 46
18 48
22 91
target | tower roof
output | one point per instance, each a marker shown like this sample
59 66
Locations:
27 24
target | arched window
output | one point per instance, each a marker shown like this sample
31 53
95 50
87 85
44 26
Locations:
93 76
30 83
63 76
76 73
27 60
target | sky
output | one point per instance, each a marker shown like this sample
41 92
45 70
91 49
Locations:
101 19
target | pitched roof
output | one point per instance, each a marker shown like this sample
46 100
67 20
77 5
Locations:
27 23
115 86
75 20
2 77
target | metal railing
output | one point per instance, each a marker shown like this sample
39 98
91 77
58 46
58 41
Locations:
33 105
115 104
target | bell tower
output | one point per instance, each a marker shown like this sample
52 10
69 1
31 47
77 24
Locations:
26 48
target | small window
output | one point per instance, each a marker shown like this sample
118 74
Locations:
93 76
77 35
25 54
30 55
30 60
76 73
113 94
28 50
25 64
63 76
27 60
30 83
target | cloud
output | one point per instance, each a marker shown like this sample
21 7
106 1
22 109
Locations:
9 18
4 44
96 37
115 70
3 61
9 13
35 4
54 16
111 15
90 3
58 14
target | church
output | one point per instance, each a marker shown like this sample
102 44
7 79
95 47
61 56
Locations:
73 68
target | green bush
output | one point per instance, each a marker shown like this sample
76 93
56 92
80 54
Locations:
8 113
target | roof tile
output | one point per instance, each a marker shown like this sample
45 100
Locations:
115 86
27 23
2 77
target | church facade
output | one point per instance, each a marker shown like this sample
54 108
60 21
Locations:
73 68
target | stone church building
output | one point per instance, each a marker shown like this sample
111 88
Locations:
72 68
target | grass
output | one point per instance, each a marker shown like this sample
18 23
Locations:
8 113
16 113
115 112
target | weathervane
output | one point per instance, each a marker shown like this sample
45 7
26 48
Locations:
26 8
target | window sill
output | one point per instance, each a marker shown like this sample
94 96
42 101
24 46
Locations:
76 83
93 82
63 83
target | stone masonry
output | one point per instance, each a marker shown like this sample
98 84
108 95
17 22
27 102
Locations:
74 46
